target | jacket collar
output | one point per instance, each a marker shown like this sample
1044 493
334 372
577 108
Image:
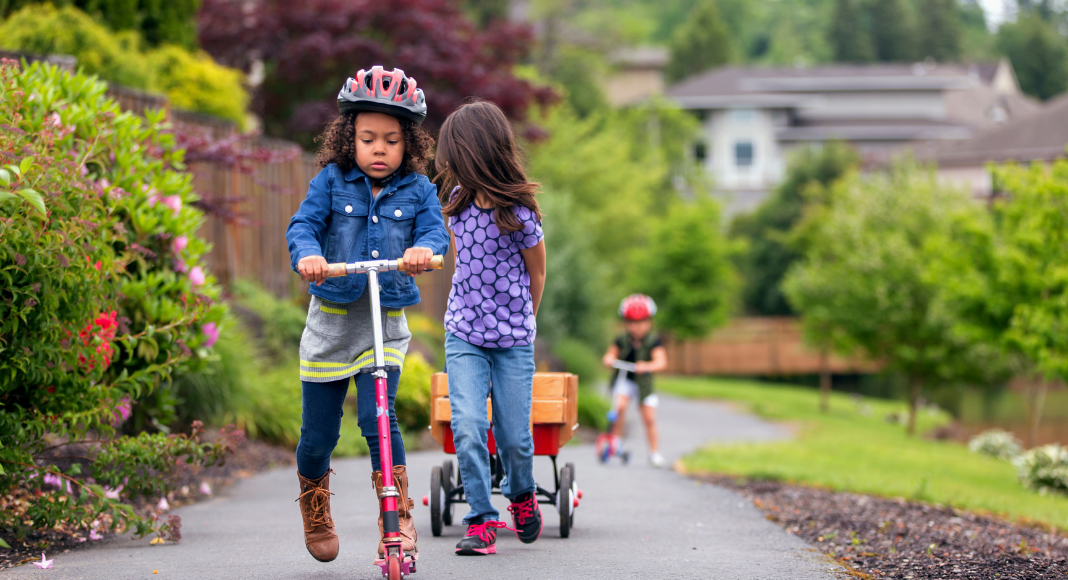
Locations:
356 173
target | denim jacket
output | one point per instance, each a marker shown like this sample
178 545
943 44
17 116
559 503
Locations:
341 221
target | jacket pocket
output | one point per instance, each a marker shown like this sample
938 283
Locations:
348 225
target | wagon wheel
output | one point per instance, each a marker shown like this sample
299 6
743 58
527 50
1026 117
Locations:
563 501
436 496
570 467
448 484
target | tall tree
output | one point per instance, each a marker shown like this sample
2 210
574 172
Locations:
865 284
939 30
767 233
891 31
703 42
309 47
847 35
1038 53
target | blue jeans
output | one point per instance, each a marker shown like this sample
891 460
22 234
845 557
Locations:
321 422
507 373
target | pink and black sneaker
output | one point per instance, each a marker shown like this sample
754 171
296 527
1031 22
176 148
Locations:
526 517
481 539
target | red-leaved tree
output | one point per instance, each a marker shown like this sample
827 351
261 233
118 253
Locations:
309 47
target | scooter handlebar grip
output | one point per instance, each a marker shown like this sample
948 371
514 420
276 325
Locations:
336 270
436 263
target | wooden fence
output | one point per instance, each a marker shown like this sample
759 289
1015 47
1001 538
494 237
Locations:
756 346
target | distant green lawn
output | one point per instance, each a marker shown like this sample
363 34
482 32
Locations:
853 448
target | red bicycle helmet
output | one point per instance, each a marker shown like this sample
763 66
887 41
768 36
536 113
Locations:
389 92
637 307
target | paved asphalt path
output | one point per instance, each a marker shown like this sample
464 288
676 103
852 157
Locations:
633 522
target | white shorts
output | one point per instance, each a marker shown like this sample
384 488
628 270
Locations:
629 389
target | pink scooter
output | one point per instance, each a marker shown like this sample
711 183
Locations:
396 564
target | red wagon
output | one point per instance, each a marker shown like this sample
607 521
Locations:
553 418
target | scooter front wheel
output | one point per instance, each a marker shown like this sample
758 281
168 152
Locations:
394 566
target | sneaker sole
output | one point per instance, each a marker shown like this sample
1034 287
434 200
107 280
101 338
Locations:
541 526
476 551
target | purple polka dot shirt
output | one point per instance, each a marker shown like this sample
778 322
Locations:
490 304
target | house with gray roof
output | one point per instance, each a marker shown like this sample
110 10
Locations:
752 117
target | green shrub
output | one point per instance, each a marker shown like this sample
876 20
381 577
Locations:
191 81
996 443
196 83
413 393
279 324
95 305
1044 469
172 21
43 29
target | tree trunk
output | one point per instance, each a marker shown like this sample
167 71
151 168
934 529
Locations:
1036 401
914 399
825 382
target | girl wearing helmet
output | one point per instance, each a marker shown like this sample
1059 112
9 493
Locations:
371 200
641 346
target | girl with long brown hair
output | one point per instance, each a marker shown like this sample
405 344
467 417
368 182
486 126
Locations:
490 322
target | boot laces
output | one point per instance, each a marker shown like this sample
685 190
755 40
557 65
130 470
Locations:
482 530
522 511
317 502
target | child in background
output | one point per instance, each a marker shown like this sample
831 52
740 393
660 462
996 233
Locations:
370 201
641 346
490 322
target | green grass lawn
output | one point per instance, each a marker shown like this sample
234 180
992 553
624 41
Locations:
853 448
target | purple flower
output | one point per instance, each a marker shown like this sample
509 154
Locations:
196 276
95 535
205 488
163 505
20 259
211 332
113 493
52 479
63 261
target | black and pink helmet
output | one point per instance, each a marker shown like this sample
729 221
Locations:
382 91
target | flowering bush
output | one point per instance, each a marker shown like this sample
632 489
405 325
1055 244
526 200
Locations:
996 443
102 297
1044 469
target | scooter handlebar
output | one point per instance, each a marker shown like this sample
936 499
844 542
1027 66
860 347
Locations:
343 269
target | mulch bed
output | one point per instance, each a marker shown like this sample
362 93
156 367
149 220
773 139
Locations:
250 458
876 537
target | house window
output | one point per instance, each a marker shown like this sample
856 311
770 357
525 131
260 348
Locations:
743 153
742 116
700 151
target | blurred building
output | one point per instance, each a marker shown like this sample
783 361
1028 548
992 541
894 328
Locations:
1040 136
637 74
752 117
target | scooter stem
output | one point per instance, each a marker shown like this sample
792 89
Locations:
390 522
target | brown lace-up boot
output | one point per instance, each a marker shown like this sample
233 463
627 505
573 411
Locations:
314 501
404 511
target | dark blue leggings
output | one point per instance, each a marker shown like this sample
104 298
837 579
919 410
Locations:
321 422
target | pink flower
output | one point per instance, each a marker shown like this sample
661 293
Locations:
52 479
174 202
205 488
43 564
122 413
163 505
179 244
56 120
113 493
196 276
211 331
95 535
79 540
179 266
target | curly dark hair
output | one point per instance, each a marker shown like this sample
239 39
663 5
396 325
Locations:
337 144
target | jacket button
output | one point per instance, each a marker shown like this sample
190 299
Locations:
397 213
374 253
374 218
348 209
